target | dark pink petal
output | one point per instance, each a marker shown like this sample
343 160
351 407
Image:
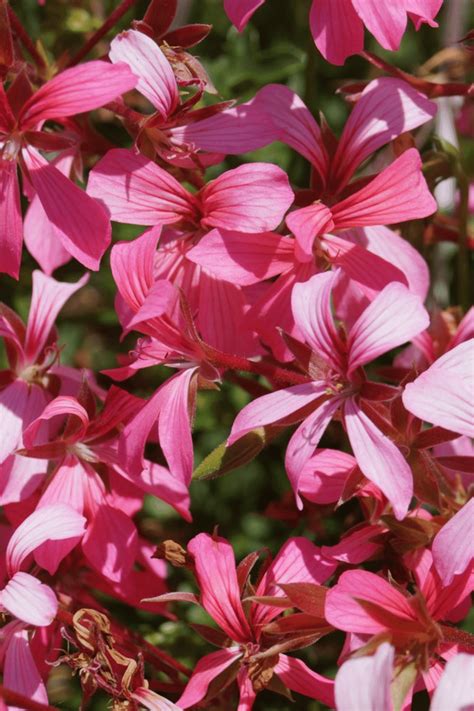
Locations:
110 543
379 328
77 90
300 678
156 80
311 306
379 458
397 194
271 408
47 299
387 23
336 28
356 547
455 690
132 267
387 108
174 425
62 406
307 224
11 230
453 547
305 440
239 12
243 258
157 302
29 600
20 672
207 669
41 239
217 578
444 394
137 191
364 682
251 198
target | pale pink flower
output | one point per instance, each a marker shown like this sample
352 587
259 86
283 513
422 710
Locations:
453 546
455 690
364 682
338 382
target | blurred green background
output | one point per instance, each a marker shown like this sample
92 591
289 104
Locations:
251 506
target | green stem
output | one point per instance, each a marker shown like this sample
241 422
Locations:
25 39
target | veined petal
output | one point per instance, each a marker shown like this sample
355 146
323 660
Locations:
337 30
110 543
11 230
41 240
239 12
19 404
29 600
20 672
63 405
300 678
132 267
307 223
387 24
156 80
207 669
364 682
453 546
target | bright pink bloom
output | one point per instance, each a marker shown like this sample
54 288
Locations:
78 222
444 394
338 26
339 383
453 546
364 682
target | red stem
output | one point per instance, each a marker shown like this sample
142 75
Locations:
112 20
13 698
457 636
268 370
25 39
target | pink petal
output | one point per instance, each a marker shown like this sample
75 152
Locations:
337 30
387 108
239 12
217 578
20 477
156 80
423 11
207 669
41 239
47 299
324 475
397 194
153 701
157 302
49 523
174 425
29 600
297 127
20 673
300 678
305 440
453 546
311 306
364 683
19 404
455 690
137 191
271 408
243 259
356 547
387 23
444 394
159 482
61 406
110 543
307 224
251 198
344 612
379 458
379 328
11 230
76 91
132 267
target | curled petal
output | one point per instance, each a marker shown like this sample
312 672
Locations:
29 600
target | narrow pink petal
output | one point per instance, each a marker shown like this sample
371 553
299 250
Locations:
217 578
132 267
29 600
20 673
158 301
344 612
336 28
453 546
387 108
247 695
239 12
61 406
356 547
110 543
387 23
156 79
153 701
137 191
251 198
444 394
135 435
11 230
243 259
311 306
379 458
271 408
379 328
307 224
49 523
159 482
297 127
174 425
207 669
41 239
77 90
455 690
47 299
397 194
305 440
364 682
300 678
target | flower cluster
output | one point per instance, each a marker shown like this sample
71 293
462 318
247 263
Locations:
314 293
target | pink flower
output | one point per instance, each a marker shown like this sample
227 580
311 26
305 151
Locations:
455 690
364 682
78 222
453 546
337 26
338 382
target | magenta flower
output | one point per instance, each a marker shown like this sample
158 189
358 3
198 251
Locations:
338 382
78 222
